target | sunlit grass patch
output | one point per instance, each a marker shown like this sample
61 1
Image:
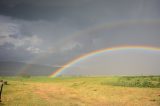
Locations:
77 91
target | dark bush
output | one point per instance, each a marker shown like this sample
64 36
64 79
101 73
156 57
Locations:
137 81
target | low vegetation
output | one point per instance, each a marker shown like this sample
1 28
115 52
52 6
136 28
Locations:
136 81
81 91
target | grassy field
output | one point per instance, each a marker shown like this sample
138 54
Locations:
81 91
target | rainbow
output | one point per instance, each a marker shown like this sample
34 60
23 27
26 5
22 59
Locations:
98 52
98 27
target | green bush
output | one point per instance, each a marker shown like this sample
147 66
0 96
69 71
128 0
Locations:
137 81
24 75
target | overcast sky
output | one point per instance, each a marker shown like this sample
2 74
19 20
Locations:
53 32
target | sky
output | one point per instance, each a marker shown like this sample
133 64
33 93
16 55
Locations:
53 32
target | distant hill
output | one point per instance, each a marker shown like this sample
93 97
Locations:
16 68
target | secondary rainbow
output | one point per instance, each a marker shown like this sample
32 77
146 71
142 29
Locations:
97 28
98 52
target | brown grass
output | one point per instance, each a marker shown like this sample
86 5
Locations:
77 93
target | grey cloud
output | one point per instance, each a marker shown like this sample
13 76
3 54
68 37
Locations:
14 36
47 2
7 46
82 12
36 37
2 37
57 29
9 53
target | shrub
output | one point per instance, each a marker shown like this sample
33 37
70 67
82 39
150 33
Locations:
137 81
24 75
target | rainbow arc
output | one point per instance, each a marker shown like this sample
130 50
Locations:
99 52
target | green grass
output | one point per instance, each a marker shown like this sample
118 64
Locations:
82 91
136 81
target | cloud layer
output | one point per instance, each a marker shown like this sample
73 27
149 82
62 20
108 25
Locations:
54 32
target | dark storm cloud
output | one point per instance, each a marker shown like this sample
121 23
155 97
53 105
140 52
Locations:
7 46
8 53
14 36
50 27
2 37
81 11
39 9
